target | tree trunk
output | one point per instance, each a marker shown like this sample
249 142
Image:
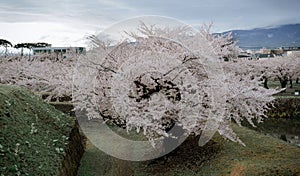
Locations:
29 53
283 82
5 51
297 80
291 83
266 83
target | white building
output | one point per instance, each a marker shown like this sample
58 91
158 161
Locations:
60 52
293 53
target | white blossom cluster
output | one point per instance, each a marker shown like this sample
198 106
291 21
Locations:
167 77
52 76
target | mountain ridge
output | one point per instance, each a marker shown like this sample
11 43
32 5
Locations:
269 37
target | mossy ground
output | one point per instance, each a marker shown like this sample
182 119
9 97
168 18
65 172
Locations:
33 135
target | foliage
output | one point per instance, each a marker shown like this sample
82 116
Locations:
30 46
6 44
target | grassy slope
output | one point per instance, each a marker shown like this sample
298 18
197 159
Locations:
33 134
263 155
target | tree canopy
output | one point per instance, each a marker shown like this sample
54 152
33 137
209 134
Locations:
5 43
32 45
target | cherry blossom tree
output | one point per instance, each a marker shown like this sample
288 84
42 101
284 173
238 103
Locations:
250 69
37 75
297 72
153 80
223 44
284 69
168 76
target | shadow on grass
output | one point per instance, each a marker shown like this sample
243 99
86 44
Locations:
263 155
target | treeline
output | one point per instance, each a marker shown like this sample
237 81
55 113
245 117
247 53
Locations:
6 44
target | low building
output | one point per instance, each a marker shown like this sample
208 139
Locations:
259 56
59 52
265 51
293 53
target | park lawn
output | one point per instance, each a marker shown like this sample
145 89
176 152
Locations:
33 135
263 155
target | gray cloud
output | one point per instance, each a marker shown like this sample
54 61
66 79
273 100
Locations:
241 13
98 14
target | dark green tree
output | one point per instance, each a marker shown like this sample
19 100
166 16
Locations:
22 46
42 44
31 45
6 44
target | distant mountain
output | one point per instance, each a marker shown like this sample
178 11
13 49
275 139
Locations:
280 36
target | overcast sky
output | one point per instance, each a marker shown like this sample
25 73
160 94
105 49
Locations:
67 22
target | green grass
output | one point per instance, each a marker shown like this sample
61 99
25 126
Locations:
263 155
33 135
94 162
277 126
289 92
